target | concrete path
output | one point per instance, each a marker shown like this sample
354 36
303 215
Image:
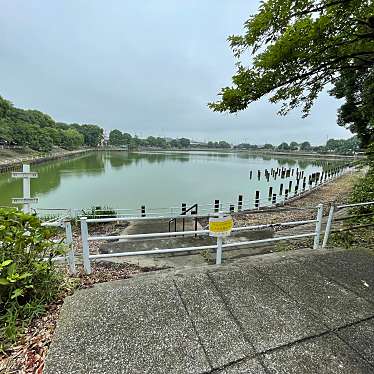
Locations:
295 312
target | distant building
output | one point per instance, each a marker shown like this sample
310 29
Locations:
195 143
105 139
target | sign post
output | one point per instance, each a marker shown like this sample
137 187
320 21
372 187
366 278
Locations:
220 227
26 175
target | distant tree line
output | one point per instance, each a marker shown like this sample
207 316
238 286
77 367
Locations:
221 144
339 146
38 131
119 139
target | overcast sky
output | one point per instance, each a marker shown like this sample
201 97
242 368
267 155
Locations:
146 67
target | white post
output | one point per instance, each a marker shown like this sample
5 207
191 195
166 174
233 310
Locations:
219 245
26 188
318 226
328 226
69 243
85 246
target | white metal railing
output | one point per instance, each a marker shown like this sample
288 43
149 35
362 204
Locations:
70 257
333 209
86 238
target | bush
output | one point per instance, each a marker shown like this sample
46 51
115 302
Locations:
27 280
363 191
99 212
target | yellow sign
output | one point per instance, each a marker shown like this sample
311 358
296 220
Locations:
220 226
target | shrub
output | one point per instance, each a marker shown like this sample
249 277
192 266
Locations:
28 277
99 212
363 191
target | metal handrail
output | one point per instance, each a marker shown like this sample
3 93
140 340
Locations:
86 239
330 218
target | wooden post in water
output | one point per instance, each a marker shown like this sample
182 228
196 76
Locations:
285 194
232 208
281 189
304 184
257 199
259 174
290 187
143 210
194 212
216 206
240 203
274 200
270 192
184 208
250 174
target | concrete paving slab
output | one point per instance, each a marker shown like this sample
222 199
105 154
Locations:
326 354
354 269
266 314
251 366
332 303
143 328
219 334
361 338
220 319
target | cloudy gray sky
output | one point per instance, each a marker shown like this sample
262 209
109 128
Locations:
146 67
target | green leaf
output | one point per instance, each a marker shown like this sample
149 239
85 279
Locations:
3 282
5 263
16 293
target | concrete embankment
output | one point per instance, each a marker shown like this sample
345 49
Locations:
16 163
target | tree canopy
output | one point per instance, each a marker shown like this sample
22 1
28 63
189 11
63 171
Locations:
300 47
39 131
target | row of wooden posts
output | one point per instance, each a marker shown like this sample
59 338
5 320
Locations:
278 172
283 173
285 189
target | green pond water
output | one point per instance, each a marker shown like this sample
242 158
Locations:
156 180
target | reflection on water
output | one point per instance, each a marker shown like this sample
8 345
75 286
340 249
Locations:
121 179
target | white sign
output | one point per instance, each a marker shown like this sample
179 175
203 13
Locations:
20 174
25 200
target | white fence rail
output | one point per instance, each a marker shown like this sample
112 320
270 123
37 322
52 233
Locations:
86 238
70 257
333 210
219 246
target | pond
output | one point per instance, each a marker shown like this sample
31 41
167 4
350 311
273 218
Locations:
155 179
